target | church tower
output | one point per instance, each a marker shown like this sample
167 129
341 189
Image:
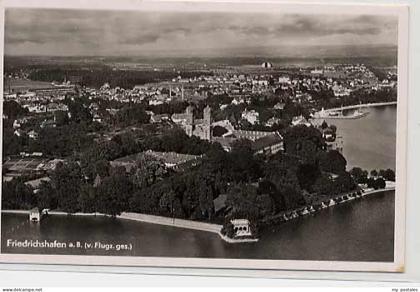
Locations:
207 123
189 120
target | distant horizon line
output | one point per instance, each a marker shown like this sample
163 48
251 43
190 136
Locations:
184 55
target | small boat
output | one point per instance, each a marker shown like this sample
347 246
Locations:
359 114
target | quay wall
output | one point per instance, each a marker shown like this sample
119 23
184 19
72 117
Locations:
174 222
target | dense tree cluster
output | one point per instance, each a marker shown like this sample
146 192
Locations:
376 183
168 108
361 176
16 195
13 110
304 142
132 114
254 187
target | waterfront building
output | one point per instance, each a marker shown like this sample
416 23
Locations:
34 215
241 227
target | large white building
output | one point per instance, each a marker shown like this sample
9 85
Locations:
251 116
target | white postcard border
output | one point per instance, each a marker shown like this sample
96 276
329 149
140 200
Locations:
297 6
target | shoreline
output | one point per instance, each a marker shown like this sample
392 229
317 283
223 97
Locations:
311 209
216 228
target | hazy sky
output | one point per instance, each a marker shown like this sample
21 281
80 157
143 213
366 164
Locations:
73 32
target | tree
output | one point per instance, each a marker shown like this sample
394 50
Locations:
61 118
265 205
374 173
279 200
13 110
114 194
46 196
376 183
344 183
292 197
242 162
218 131
66 180
148 171
241 199
360 176
17 195
190 201
381 173
87 199
380 183
132 114
332 161
324 186
303 141
389 174
170 205
371 182
307 175
281 171
205 196
79 112
127 143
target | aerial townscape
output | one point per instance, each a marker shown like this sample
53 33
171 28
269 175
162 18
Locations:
236 146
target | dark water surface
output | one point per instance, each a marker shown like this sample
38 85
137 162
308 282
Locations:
362 230
358 231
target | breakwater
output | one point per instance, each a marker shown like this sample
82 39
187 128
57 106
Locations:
364 105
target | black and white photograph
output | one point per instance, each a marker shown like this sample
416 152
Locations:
254 136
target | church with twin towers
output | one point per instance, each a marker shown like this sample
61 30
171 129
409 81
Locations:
198 127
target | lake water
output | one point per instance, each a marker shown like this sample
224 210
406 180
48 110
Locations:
369 142
362 230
